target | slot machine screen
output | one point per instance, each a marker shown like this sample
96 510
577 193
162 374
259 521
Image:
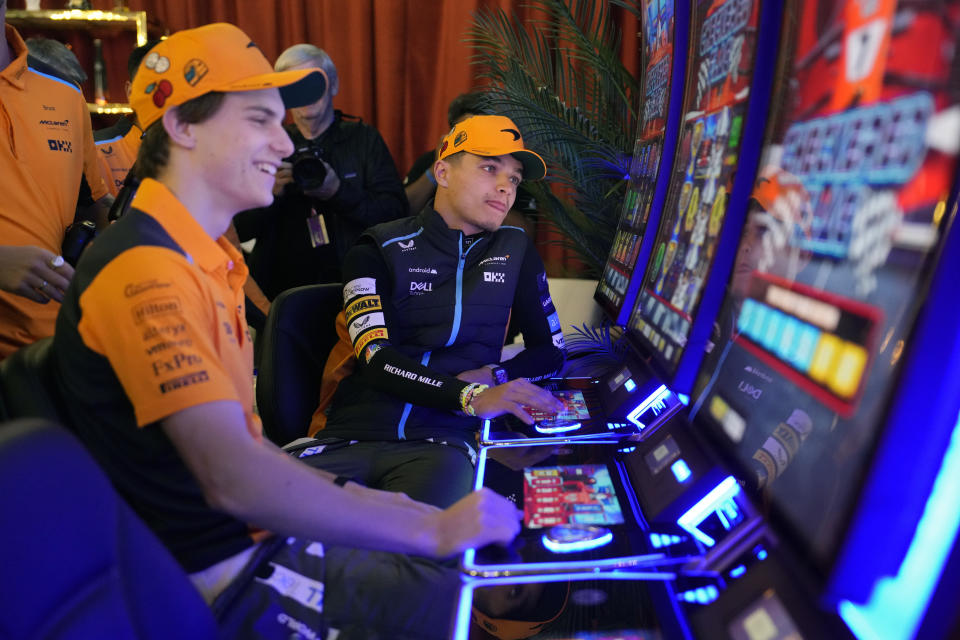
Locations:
843 225
721 64
658 22
567 495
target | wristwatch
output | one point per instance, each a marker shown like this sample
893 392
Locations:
499 373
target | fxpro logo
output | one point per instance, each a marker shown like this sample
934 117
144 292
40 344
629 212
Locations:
60 145
493 276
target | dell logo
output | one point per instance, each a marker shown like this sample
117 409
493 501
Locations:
421 286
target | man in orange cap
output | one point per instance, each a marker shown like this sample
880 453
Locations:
154 359
427 303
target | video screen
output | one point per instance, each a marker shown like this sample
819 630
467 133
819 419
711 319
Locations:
572 494
722 52
645 166
843 224
574 408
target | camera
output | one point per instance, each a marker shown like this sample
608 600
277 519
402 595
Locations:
308 168
76 238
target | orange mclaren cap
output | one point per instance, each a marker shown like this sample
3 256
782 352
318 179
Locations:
214 57
487 627
492 136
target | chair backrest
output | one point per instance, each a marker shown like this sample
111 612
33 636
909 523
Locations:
76 561
297 338
27 388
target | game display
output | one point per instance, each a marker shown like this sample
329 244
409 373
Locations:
719 85
845 218
659 57
581 495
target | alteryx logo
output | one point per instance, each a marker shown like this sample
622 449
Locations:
554 321
60 145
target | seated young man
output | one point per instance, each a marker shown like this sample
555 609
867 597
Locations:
154 358
428 300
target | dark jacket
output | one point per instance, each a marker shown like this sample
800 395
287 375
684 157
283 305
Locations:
370 193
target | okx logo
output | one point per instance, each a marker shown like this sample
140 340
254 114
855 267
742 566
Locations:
60 145
493 276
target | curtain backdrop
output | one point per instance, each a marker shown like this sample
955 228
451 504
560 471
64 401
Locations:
400 62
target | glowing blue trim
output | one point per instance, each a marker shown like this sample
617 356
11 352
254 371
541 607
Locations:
659 395
56 79
113 139
579 545
558 429
738 571
708 504
897 603
681 471
762 555
412 235
623 563
684 398
630 385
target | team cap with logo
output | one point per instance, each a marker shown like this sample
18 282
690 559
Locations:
492 136
214 57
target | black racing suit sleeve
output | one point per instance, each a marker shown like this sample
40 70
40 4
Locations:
532 312
388 369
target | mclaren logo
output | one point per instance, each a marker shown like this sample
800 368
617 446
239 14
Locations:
516 134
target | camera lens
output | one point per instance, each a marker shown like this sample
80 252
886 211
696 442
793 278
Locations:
308 169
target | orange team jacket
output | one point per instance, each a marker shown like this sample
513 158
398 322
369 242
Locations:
47 148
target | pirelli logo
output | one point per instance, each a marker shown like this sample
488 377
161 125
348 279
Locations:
363 305
366 338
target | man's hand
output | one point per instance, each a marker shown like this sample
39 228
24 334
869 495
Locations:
512 397
283 178
30 272
480 518
331 182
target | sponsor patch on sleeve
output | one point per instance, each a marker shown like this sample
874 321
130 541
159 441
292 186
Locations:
367 338
359 287
362 305
365 323
558 341
554 320
542 282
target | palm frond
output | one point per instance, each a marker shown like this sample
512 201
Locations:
593 349
559 77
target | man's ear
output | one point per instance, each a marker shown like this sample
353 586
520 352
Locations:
181 133
441 173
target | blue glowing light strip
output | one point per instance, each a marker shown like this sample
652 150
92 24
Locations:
623 562
661 393
579 545
897 603
709 503
559 429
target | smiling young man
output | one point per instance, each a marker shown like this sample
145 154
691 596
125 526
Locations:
154 359
428 301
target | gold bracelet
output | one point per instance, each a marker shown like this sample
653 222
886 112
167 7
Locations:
470 392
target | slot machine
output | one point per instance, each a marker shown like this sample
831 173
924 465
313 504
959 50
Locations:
810 487
630 400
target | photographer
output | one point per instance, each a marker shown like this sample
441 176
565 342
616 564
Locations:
340 180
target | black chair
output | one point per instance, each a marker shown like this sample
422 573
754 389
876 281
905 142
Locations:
27 388
299 334
77 563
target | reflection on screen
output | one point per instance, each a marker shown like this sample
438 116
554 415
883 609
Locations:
831 266
645 165
575 494
574 408
715 107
